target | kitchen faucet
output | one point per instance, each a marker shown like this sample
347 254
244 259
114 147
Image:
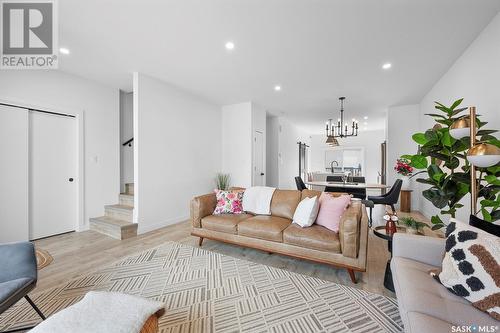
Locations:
331 164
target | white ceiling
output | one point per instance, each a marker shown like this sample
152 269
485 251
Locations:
316 50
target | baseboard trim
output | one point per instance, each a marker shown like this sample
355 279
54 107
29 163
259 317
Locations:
142 229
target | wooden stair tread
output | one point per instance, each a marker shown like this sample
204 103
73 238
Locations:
114 222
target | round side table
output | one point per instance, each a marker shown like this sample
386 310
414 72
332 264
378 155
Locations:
380 232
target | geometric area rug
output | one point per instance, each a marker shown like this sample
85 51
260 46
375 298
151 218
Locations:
205 291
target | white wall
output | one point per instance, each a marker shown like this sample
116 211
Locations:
369 140
282 152
272 151
475 76
237 143
402 123
177 151
61 91
126 133
239 122
14 198
259 125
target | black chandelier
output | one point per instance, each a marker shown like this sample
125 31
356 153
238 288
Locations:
341 129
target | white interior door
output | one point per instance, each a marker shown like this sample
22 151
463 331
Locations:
258 159
53 170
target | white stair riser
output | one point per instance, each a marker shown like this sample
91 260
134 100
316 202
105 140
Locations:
112 231
119 214
126 200
129 188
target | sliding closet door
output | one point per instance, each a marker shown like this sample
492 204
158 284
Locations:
13 174
53 171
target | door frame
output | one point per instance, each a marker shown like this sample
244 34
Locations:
254 172
80 142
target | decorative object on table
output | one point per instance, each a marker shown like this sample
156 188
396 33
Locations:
456 146
192 270
43 258
471 268
222 181
341 129
405 199
412 226
390 222
300 183
405 170
103 311
381 232
229 202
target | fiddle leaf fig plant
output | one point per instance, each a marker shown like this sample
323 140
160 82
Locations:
444 162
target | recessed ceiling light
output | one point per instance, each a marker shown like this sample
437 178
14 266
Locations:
64 50
387 65
230 46
277 88
365 117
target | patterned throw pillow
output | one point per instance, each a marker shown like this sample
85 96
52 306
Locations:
471 266
229 202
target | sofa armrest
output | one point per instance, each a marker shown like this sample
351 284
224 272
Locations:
202 206
349 230
428 250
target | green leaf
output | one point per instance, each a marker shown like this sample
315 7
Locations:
431 135
486 215
436 220
426 181
452 163
419 138
456 103
492 179
437 227
447 140
418 162
457 111
485 132
435 115
494 169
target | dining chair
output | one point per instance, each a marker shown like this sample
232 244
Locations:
390 198
359 193
300 183
334 188
18 276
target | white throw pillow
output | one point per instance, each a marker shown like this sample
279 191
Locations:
306 212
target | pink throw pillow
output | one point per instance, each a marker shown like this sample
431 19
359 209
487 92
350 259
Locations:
331 210
229 202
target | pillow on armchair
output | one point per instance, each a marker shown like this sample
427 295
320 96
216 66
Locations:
471 268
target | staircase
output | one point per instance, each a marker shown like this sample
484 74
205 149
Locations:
117 221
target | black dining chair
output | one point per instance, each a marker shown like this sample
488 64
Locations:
18 276
359 193
390 198
300 183
334 188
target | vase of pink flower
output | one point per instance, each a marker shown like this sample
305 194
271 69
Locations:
405 171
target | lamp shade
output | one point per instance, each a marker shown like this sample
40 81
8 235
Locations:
484 155
460 128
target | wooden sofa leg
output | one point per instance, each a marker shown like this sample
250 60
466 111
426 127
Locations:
200 241
351 275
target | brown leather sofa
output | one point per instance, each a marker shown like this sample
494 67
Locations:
277 234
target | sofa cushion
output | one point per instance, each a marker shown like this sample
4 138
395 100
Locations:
417 291
419 322
264 227
315 237
284 203
224 222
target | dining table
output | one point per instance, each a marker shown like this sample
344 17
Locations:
348 184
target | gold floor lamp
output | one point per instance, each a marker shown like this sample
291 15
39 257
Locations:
482 155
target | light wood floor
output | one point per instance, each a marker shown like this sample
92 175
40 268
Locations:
80 253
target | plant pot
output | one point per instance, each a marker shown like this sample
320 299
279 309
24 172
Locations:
406 182
412 231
